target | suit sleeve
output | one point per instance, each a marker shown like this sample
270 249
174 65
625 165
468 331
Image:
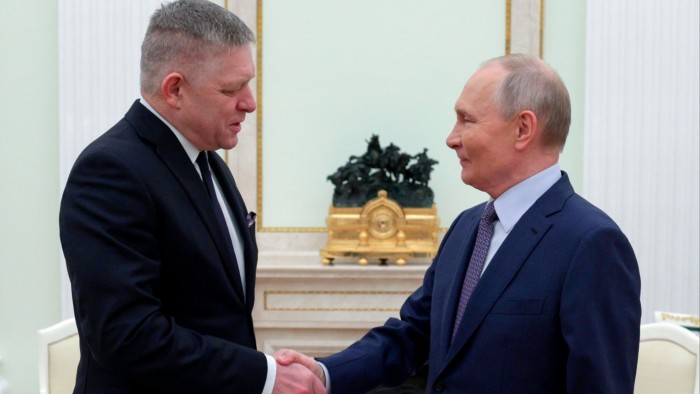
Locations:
387 354
109 225
600 314
391 353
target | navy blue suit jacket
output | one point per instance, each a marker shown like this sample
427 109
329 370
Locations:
159 305
557 310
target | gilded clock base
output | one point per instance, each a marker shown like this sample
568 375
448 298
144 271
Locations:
380 230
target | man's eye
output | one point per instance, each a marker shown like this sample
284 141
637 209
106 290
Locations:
228 92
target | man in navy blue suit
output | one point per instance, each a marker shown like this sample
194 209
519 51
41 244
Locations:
159 246
552 305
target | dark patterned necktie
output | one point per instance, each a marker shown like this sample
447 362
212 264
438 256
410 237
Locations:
203 164
477 260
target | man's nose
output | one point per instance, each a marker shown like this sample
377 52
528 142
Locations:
247 101
453 139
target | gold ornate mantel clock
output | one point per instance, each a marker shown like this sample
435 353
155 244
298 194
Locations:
382 230
382 208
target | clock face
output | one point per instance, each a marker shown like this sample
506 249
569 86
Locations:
382 223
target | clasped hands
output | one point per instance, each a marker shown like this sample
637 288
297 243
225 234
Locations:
298 373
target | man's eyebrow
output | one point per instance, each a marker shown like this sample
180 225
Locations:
463 112
235 83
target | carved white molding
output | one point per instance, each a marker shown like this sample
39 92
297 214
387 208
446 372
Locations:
641 156
309 346
320 310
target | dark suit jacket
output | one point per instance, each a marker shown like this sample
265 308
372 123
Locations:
157 301
557 310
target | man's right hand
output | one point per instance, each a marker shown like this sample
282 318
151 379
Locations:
288 358
297 378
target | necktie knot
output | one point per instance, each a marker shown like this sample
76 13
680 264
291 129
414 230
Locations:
202 160
489 216
203 163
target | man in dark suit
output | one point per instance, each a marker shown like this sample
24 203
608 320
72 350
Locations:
536 291
159 245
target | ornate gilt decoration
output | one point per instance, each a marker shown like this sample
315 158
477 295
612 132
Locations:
381 229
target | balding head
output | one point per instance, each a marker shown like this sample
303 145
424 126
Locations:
533 85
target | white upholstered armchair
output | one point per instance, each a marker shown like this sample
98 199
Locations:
59 353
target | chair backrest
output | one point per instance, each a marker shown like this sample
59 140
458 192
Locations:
691 322
668 360
59 354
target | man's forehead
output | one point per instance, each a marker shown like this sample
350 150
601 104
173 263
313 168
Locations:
484 81
486 78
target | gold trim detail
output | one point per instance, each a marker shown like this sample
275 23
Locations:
381 229
327 292
541 27
508 27
259 118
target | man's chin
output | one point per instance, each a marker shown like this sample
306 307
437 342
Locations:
466 178
228 145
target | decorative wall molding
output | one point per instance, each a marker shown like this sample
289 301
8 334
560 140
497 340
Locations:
524 26
320 310
641 155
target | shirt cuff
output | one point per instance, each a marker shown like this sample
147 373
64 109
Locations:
328 377
271 375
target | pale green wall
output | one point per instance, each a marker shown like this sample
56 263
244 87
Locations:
394 70
29 247
565 49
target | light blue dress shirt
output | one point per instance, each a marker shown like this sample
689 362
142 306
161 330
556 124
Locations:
512 205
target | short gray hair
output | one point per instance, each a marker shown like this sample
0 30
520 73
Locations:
531 84
186 33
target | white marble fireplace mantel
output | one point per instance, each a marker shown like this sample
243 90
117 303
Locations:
319 309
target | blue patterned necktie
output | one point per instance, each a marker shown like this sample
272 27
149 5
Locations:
477 260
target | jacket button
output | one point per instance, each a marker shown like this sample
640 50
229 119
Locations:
440 387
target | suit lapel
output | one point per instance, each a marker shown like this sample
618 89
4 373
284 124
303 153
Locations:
171 152
506 263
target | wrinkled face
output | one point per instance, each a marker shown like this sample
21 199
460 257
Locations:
216 99
484 142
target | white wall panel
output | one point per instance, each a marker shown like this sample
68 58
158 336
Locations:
641 150
99 44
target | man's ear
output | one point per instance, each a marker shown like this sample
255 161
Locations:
526 122
171 87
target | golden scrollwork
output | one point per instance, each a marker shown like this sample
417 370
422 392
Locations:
381 229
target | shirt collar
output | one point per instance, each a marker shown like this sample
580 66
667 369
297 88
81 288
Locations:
512 205
191 150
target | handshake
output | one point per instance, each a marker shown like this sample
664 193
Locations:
298 373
